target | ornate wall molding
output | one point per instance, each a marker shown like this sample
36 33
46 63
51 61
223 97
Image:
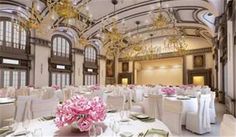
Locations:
168 55
40 42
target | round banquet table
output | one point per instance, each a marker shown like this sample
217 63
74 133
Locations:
7 109
49 128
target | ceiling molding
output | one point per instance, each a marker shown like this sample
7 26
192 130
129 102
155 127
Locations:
167 55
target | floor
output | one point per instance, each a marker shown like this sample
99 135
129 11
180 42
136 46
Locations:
220 110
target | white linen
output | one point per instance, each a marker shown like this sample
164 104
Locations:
43 107
172 114
49 129
199 122
7 110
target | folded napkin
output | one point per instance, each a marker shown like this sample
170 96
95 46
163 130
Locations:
48 117
147 119
4 129
111 111
158 132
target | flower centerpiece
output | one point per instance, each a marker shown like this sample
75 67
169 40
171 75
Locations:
80 112
56 87
94 88
168 91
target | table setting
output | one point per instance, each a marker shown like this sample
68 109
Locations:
81 116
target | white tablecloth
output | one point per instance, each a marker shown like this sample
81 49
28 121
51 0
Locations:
7 109
134 126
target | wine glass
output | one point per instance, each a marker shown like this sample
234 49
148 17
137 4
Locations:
25 124
122 113
92 131
37 132
116 128
99 130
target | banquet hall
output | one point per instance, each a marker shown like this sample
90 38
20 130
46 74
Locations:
117 68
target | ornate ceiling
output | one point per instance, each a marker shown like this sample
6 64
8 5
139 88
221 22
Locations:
195 17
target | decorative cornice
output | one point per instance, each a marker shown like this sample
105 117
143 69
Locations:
78 51
40 42
102 57
167 55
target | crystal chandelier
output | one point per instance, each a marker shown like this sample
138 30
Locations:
33 21
136 41
176 41
159 20
113 38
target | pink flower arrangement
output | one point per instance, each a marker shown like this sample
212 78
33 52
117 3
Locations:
94 88
56 87
81 112
168 91
131 86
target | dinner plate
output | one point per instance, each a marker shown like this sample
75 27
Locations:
142 116
126 134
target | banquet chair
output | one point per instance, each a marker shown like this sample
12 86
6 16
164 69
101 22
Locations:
22 108
172 115
48 93
43 107
11 92
199 122
115 102
67 93
23 91
156 102
212 108
228 126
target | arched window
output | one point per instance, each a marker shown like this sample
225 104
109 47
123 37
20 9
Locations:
90 65
12 34
60 66
90 54
14 51
60 46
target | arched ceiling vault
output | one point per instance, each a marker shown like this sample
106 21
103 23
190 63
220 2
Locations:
195 17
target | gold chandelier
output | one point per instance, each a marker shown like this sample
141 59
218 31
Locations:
113 38
176 41
33 21
136 41
159 20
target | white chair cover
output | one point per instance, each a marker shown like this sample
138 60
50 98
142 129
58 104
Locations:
43 107
115 102
212 108
48 93
228 126
199 122
172 115
22 110
11 92
23 91
154 106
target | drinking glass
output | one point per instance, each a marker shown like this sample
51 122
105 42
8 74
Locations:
122 113
116 128
25 124
38 132
92 131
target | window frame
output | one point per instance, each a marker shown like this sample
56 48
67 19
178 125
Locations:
66 40
23 34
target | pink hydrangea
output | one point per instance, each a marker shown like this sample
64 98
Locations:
168 91
94 88
82 111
